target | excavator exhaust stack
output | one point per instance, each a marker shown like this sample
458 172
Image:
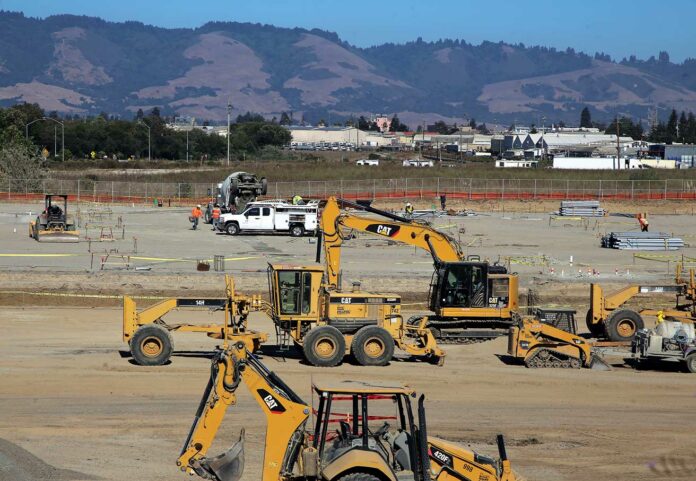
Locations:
228 466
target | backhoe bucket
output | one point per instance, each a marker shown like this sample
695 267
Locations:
228 466
599 364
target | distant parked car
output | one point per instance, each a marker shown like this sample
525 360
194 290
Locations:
417 163
367 162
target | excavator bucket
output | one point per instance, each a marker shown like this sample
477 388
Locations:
228 466
598 363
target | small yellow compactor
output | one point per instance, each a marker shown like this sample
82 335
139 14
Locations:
54 224
361 432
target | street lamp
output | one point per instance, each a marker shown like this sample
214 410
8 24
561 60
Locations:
149 143
62 128
229 119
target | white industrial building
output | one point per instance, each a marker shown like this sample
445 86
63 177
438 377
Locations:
611 163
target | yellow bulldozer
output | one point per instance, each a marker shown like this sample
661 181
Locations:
54 224
351 439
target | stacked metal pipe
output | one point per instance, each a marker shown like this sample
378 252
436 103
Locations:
643 241
581 208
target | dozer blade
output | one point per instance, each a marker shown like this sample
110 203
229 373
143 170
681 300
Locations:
58 236
599 364
228 466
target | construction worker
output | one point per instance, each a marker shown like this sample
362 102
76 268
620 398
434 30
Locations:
643 221
660 317
216 215
196 214
297 200
443 201
409 209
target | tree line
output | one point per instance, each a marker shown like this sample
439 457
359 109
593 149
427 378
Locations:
105 136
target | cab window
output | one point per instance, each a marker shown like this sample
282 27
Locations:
253 211
266 211
295 292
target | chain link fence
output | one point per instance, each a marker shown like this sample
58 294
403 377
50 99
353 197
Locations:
86 190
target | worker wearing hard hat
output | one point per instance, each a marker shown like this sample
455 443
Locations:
195 216
297 200
409 209
216 215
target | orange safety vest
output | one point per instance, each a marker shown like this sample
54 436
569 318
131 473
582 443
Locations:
216 212
196 212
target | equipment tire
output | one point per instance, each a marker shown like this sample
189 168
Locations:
232 228
359 477
372 346
691 362
595 329
151 345
296 230
324 346
622 325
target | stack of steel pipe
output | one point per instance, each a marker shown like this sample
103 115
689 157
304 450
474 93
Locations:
581 208
643 241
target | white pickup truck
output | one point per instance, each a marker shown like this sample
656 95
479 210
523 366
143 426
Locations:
272 216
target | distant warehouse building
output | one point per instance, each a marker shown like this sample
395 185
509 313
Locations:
683 154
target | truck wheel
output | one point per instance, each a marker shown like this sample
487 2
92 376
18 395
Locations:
232 228
623 325
264 186
595 328
151 345
324 346
691 362
297 230
372 346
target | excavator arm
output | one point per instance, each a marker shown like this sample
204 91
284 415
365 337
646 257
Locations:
285 412
439 245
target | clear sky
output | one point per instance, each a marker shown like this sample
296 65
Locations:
617 27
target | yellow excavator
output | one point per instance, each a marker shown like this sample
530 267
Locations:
550 339
471 300
608 317
347 442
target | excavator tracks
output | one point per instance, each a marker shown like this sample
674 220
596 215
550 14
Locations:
550 358
457 332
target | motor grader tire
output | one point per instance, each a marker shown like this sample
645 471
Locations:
359 477
622 325
151 345
691 362
324 346
596 329
372 346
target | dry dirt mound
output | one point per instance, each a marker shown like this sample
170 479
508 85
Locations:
18 464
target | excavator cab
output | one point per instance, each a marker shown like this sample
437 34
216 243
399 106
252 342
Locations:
472 285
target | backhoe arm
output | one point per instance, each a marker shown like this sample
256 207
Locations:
439 245
285 413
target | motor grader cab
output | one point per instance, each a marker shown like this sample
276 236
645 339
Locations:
54 224
471 300
550 340
361 432
330 323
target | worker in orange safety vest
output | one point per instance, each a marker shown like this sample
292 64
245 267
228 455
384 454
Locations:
196 214
216 215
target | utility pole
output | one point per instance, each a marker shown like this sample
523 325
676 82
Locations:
618 144
229 119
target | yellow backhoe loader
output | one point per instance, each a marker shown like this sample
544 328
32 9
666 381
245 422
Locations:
348 441
607 316
552 343
471 300
54 224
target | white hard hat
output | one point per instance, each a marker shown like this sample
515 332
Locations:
199 206
408 203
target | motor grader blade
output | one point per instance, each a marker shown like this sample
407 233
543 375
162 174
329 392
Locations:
228 466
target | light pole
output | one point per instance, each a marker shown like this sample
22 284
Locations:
62 135
229 119
149 143
187 144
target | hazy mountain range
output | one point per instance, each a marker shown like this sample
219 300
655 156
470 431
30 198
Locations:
83 65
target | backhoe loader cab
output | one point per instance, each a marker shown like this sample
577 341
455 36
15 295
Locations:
361 432
330 323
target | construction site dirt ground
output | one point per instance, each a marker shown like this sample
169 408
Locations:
82 410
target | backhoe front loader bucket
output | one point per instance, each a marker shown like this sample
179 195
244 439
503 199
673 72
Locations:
598 363
228 466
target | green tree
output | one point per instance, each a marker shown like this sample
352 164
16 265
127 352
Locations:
672 126
683 127
284 119
585 118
